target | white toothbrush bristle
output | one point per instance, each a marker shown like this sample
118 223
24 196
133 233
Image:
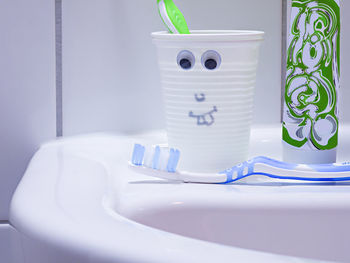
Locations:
163 159
166 19
148 158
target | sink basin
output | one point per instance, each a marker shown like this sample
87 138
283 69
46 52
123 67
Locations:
292 218
79 202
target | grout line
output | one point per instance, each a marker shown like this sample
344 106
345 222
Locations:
283 52
58 41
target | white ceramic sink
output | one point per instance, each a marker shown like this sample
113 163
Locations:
79 202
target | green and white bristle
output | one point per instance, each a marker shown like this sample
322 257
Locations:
172 17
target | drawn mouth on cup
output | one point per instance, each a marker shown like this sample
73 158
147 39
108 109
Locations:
205 119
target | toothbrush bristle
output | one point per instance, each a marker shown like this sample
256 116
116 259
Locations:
157 158
173 160
138 154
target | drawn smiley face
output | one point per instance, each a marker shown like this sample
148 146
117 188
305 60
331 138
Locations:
210 60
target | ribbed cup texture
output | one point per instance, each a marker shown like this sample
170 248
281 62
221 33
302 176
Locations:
209 112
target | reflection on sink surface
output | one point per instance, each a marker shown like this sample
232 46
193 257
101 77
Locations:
298 219
252 220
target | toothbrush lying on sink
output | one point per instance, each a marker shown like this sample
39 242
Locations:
161 162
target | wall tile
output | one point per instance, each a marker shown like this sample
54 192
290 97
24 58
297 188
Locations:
10 245
27 87
110 76
344 62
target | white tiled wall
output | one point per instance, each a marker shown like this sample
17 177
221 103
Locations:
344 62
27 87
10 245
110 75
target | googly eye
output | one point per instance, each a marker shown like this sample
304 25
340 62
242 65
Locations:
185 59
211 59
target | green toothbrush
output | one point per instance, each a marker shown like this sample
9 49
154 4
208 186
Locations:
172 17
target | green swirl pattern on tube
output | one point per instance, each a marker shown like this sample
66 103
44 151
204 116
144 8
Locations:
310 119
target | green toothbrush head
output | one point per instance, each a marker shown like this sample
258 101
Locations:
172 17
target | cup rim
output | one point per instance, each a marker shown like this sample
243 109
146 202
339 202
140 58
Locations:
211 35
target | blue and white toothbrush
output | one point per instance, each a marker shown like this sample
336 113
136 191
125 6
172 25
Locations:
161 162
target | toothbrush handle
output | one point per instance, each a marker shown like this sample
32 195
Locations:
317 172
281 170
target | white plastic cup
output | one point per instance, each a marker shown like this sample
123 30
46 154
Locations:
208 80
